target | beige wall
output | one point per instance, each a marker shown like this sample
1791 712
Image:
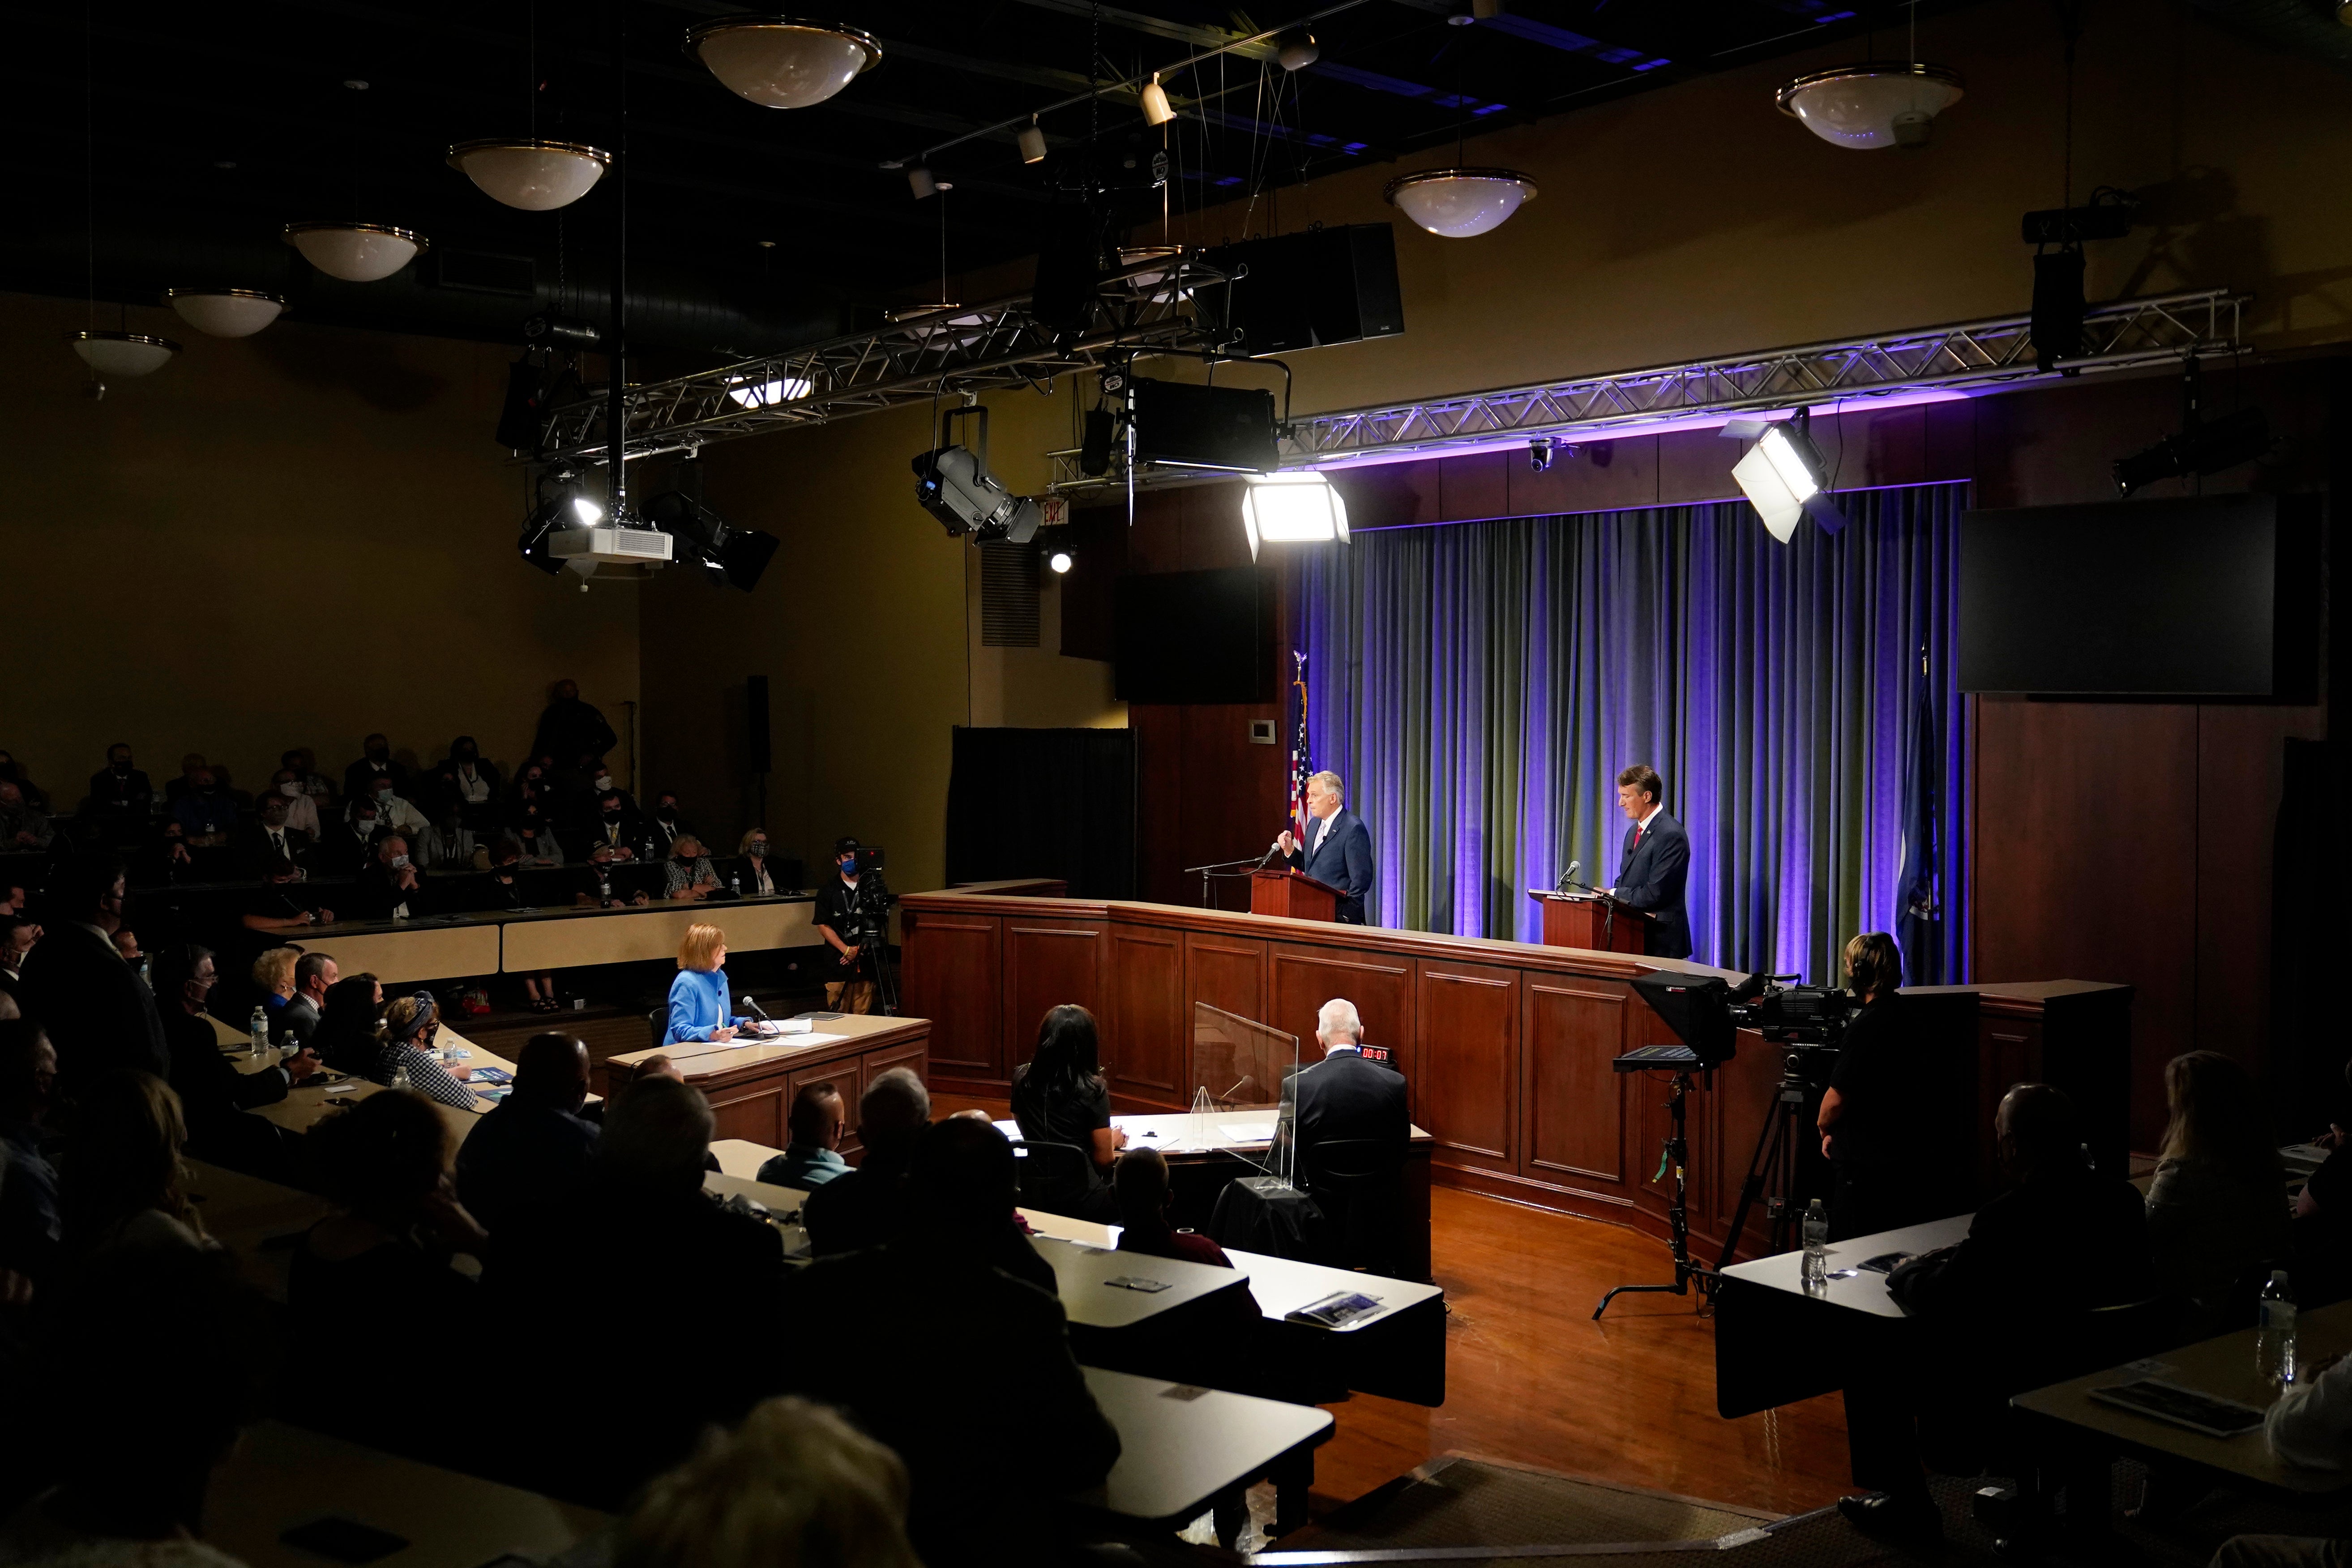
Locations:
285 539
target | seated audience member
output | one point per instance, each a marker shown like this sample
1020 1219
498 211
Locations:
1059 1096
185 784
213 1095
687 874
2216 1209
346 1040
374 767
31 1232
301 810
572 736
1343 1096
314 975
204 812
531 786
120 793
615 832
700 1004
130 1438
758 876
593 888
13 902
464 781
862 1207
21 826
16 939
983 1475
126 942
665 824
349 843
405 1048
281 903
121 1177
316 787
448 845
2310 1427
273 980
99 1015
503 891
13 771
810 1159
640 1242
541 846
270 838
795 1485
533 1147
376 1272
389 888
395 810
1140 1182
2062 1240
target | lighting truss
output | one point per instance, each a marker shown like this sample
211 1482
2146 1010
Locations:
1973 355
1148 306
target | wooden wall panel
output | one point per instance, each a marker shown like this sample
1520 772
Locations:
1145 1031
756 1113
1046 964
1571 1102
1467 1045
1303 978
848 1078
1225 972
951 969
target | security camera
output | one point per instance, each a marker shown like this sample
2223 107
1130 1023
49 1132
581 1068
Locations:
1540 452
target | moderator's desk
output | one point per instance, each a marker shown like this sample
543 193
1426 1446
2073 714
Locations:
1776 1342
2068 1419
1180 1447
282 1476
751 1082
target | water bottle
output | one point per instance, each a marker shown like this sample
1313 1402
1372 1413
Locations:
2274 1331
400 1078
603 885
260 1028
735 885
1817 1243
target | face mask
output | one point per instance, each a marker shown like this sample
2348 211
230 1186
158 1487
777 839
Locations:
366 823
289 789
604 781
666 813
398 861
849 866
758 847
122 767
614 815
467 755
532 775
206 787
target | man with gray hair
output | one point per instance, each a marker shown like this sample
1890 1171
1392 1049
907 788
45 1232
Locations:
864 1207
1343 1096
1337 848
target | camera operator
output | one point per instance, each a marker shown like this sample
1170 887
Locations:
1871 1116
847 909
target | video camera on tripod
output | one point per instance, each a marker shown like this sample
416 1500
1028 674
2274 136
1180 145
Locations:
1708 1012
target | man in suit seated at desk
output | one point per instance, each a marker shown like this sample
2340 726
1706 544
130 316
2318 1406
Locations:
986 1471
1343 1096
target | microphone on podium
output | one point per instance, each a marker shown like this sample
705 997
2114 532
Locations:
1568 876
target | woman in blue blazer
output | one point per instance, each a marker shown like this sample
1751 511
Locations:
698 996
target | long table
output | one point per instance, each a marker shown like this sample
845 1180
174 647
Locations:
307 1104
1506 1046
751 1082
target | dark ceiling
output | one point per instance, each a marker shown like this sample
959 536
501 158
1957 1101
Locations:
182 137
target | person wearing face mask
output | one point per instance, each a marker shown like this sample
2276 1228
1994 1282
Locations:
301 810
99 1015
204 812
213 1095
688 874
317 787
360 779
758 876
389 888
190 766
449 845
350 844
280 903
572 734
614 834
273 837
502 892
120 796
536 838
848 902
469 783
393 809
667 827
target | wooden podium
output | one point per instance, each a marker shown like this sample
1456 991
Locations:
1594 920
1295 894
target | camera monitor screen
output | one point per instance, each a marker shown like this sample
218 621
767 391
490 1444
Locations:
1696 1007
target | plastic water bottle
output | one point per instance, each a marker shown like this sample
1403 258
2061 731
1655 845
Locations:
604 885
260 1030
1817 1243
2274 1331
400 1078
735 885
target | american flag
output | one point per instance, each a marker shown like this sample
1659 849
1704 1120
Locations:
1301 764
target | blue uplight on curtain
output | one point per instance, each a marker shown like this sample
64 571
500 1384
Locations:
1479 685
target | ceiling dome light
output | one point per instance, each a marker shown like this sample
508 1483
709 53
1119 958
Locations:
536 176
1156 108
1296 49
123 354
356 252
1869 106
782 62
224 312
1299 508
1460 203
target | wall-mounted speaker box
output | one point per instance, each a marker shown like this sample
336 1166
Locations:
1308 290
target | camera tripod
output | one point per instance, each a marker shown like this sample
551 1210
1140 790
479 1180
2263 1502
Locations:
1772 1168
1675 1156
875 948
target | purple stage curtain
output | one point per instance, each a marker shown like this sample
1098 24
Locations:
1478 686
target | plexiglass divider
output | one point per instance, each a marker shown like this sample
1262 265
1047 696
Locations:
1243 1095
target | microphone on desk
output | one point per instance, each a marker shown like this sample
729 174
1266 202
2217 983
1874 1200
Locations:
757 1011
1568 876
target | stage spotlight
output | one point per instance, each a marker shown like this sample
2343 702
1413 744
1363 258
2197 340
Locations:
954 485
1297 508
1296 49
1032 141
1782 474
2235 438
1156 108
736 556
1061 561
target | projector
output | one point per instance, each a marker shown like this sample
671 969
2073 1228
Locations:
583 549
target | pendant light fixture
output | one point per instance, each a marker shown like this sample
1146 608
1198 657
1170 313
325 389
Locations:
226 312
782 62
1873 104
1460 202
527 172
1157 110
355 252
123 354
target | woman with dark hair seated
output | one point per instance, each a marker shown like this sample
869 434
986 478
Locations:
1059 1097
378 1269
345 1038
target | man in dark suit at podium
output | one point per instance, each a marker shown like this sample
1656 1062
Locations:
1337 848
1655 862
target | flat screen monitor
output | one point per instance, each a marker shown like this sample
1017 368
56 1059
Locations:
1196 636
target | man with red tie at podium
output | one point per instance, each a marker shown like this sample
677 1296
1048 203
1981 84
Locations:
1656 860
1337 848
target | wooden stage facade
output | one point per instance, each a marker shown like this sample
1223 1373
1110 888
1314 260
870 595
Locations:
1506 1047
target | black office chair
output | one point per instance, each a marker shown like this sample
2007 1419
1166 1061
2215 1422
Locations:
658 1020
1359 1183
1052 1177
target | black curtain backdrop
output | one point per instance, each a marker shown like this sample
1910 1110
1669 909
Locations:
1044 803
2311 865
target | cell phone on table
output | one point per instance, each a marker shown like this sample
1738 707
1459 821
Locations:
344 1540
